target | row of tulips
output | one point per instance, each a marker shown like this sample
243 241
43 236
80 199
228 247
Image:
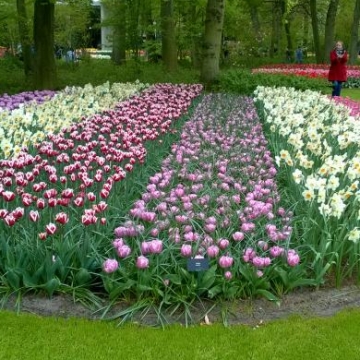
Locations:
216 198
317 146
11 102
28 119
64 185
308 70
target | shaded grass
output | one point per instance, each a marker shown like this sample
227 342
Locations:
30 337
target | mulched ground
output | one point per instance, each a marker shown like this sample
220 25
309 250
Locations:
306 303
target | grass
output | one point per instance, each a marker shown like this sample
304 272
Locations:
30 337
353 94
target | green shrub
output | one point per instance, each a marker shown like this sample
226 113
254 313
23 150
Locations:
99 71
244 82
15 82
352 83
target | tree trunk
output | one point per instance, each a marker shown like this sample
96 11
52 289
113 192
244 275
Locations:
195 39
25 39
315 28
353 48
255 22
329 29
212 41
119 34
305 41
168 39
276 29
118 55
288 40
44 67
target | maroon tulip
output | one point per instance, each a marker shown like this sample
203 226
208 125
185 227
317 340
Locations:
34 215
8 196
62 218
51 229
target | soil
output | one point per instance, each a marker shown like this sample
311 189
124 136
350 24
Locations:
306 303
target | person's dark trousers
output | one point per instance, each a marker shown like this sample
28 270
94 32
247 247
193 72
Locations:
336 88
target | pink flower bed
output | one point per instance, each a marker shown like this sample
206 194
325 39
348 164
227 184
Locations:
215 197
308 70
354 106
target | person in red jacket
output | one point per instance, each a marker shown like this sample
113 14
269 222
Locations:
337 71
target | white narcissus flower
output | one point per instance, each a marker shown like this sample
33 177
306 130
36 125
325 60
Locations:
354 235
333 183
298 176
308 195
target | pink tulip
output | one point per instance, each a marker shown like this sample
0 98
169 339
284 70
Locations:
226 261
186 250
223 243
123 251
110 266
238 236
212 251
142 262
156 246
293 258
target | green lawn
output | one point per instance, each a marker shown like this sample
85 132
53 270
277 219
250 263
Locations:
351 93
27 337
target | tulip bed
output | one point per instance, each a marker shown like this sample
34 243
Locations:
57 196
109 203
215 197
308 70
25 119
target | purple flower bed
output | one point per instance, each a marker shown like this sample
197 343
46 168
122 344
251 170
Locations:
11 102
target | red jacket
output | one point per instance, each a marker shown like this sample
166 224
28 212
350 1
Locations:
337 67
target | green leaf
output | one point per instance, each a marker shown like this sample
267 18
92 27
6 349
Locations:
208 279
174 279
118 288
29 281
267 294
283 275
13 279
52 285
214 291
142 287
82 277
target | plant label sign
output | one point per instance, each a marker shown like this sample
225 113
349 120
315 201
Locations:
201 264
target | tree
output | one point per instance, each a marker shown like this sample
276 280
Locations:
72 20
25 38
214 21
44 65
315 28
329 28
353 48
168 37
277 18
119 33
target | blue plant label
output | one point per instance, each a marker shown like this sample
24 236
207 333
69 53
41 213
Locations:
197 264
